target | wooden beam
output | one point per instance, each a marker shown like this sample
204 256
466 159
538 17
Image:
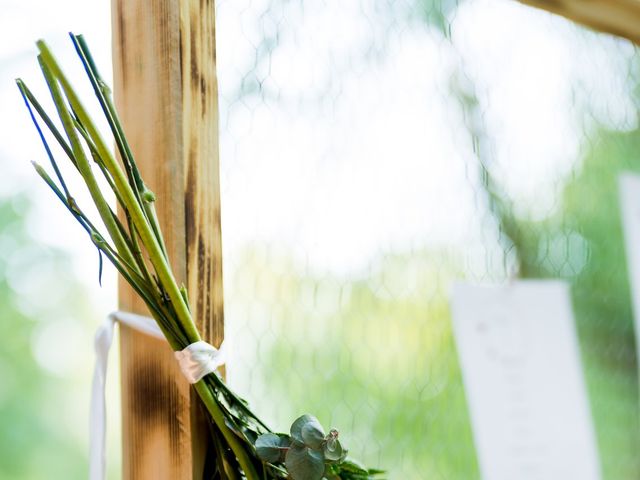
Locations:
166 92
619 17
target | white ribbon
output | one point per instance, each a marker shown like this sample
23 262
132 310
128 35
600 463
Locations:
200 359
195 361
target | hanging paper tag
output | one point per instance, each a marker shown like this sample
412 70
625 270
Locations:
523 380
630 205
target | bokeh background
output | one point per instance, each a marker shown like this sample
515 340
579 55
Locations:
372 152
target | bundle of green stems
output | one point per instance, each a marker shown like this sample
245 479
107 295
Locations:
133 243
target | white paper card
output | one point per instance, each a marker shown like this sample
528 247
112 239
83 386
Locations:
630 204
523 380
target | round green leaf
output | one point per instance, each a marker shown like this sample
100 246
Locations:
270 447
303 463
300 423
313 435
333 450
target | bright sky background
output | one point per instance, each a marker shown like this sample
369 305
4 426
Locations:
380 164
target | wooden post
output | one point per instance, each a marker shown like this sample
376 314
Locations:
166 92
619 17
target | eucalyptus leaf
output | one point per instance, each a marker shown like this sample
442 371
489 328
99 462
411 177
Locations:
312 425
333 450
313 435
304 463
271 447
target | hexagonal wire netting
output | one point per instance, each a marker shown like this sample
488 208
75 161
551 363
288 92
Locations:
372 152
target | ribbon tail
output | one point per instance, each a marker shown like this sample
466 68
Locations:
196 361
98 411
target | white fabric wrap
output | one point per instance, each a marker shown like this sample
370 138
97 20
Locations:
199 359
195 361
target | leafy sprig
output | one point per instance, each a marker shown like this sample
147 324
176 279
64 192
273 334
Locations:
243 445
310 454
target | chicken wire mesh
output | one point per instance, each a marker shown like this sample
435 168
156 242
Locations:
372 153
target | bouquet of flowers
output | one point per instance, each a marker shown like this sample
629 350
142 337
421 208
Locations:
244 446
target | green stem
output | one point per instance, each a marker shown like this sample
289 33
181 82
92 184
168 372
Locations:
84 167
234 442
43 115
147 236
103 93
97 239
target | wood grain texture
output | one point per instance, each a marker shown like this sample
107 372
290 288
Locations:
619 17
166 92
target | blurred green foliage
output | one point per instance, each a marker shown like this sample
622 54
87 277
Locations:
583 243
415 420
381 367
38 434
381 364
